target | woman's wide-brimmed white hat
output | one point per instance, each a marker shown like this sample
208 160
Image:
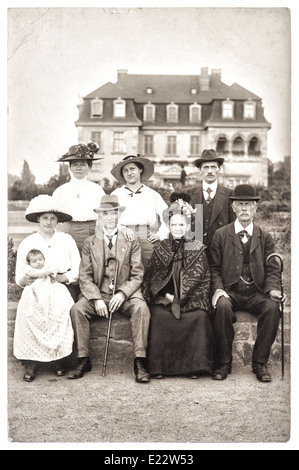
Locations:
43 204
148 167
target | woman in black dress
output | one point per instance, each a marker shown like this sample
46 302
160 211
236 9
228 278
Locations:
177 289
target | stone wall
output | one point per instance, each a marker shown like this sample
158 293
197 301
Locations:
121 352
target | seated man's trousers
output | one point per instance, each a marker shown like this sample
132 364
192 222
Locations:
267 311
84 311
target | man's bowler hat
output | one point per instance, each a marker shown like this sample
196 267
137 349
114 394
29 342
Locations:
244 192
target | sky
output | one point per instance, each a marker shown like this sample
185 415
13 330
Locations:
57 55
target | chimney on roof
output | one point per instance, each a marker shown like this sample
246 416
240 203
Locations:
204 79
121 72
216 73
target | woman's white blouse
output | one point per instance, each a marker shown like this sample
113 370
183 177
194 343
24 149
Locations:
80 198
60 252
145 207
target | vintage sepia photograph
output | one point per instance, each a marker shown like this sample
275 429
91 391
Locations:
147 204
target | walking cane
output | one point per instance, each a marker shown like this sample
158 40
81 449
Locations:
110 313
281 308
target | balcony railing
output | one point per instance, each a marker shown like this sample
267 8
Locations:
254 153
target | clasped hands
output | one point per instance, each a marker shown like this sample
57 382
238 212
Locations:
115 303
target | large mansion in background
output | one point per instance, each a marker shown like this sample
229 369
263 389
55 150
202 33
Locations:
171 119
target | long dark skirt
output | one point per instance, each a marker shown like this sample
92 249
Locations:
180 347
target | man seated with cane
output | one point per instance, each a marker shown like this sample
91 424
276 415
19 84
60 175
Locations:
96 279
242 279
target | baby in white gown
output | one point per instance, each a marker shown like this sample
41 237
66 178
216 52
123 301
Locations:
43 314
36 266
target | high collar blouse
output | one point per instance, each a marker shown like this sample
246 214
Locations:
60 252
80 198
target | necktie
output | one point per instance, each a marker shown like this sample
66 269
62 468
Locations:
209 199
110 244
244 236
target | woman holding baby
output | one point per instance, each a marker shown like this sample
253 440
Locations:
47 268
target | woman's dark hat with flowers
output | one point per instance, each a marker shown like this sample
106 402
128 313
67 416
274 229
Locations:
179 204
209 155
148 167
83 152
244 192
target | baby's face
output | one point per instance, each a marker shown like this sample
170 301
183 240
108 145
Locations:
37 261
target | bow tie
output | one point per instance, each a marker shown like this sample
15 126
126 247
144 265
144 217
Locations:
131 193
244 236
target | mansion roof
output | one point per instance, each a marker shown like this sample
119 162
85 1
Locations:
205 89
168 88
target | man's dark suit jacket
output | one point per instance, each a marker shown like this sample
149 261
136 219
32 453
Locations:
227 259
222 213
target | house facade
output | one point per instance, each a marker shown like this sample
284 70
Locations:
171 119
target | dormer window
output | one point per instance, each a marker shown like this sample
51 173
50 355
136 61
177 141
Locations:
195 113
149 91
172 111
119 108
249 110
149 112
193 91
96 108
227 109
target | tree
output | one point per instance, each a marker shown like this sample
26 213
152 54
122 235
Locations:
11 179
27 177
64 174
280 174
23 188
56 180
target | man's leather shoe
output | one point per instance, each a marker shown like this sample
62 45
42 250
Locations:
222 371
29 375
84 365
141 374
261 372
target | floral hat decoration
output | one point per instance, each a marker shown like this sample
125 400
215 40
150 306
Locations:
179 204
81 151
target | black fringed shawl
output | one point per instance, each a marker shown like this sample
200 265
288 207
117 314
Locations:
191 273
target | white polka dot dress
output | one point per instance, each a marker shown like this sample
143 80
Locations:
43 329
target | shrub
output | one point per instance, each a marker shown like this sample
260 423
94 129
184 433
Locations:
11 260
